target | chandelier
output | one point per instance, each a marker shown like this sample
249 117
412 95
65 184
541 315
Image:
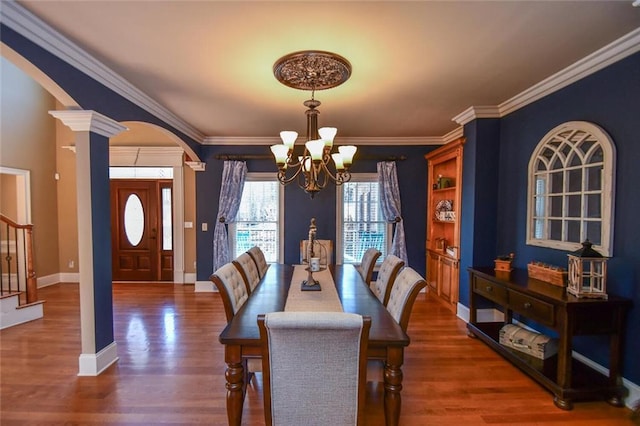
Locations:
312 70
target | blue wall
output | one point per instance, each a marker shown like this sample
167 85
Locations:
609 98
299 207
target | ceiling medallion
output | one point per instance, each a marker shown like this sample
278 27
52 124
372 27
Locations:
312 70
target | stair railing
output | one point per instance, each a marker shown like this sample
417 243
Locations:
17 260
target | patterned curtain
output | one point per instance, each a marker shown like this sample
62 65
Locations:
233 176
390 204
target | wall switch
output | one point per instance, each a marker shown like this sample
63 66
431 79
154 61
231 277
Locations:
71 264
204 226
188 224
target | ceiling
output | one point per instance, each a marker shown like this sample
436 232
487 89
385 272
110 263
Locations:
416 65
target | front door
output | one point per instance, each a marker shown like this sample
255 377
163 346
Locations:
141 246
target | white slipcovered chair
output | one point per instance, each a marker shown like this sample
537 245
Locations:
386 276
258 257
368 264
314 367
249 271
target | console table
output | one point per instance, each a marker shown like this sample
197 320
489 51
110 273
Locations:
549 305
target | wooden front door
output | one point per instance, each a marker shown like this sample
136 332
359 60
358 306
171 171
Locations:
140 250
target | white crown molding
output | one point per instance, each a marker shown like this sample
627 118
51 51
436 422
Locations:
196 166
621 48
475 112
362 140
611 53
34 29
89 121
456 133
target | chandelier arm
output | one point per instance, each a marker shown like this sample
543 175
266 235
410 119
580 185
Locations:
336 178
283 179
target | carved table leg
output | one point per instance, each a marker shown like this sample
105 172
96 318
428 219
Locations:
563 404
616 401
393 386
235 386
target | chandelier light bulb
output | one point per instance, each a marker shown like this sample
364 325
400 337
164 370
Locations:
337 160
316 148
280 153
327 134
347 151
289 138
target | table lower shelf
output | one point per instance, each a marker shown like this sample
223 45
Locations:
586 383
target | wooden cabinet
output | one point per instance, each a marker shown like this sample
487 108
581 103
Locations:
444 196
522 298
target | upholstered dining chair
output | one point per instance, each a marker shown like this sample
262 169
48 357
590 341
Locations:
249 271
387 273
314 367
403 294
232 288
258 257
322 249
368 264
234 293
405 289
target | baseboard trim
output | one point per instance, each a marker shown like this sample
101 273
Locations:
190 278
60 277
94 364
494 315
205 287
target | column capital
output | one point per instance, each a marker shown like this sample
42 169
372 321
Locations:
89 121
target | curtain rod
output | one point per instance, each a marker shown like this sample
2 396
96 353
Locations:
242 157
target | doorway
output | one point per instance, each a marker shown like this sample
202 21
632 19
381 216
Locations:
141 230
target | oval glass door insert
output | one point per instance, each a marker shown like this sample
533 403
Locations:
133 219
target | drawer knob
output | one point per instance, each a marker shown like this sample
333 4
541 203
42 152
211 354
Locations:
527 305
489 288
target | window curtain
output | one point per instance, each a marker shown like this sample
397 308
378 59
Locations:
390 205
233 176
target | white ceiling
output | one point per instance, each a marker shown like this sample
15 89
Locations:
416 64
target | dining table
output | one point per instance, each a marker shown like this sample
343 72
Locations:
241 337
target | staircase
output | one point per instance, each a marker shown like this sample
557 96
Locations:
18 290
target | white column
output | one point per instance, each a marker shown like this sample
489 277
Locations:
93 131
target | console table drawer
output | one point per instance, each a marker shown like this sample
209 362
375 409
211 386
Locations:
532 308
490 290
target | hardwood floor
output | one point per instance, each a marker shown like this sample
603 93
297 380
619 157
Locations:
171 370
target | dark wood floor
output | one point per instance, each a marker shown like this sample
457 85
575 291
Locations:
171 370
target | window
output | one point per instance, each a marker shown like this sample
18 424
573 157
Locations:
571 187
259 217
360 223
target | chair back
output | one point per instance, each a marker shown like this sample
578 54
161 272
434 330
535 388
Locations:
249 271
368 263
314 367
258 257
232 288
321 248
405 289
386 277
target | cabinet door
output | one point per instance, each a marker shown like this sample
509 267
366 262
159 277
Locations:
433 266
449 280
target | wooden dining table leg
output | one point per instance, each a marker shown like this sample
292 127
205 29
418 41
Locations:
235 384
393 385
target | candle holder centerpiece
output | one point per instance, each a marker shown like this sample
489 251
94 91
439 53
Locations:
313 262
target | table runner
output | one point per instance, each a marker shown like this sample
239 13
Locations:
326 300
